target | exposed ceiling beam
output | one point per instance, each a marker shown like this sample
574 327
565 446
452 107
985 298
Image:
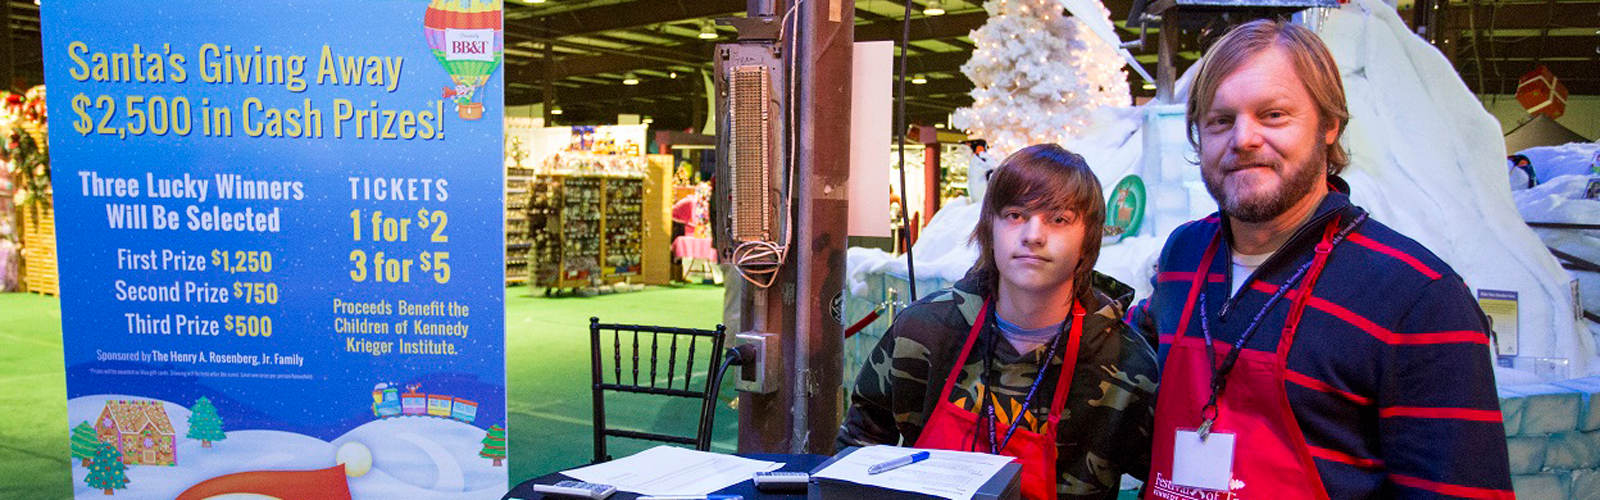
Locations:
1572 47
872 17
963 44
946 26
611 92
940 87
624 16
925 63
664 55
1523 15
623 61
532 70
936 63
1566 70
1579 76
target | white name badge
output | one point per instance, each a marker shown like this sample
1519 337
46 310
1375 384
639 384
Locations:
1205 464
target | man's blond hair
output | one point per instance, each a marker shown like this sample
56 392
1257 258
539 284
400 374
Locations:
1312 63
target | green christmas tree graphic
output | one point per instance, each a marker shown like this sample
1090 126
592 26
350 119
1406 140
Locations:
107 472
494 445
84 442
204 424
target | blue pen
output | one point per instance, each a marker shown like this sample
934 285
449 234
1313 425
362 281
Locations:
898 463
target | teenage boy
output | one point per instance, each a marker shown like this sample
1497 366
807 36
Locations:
1022 357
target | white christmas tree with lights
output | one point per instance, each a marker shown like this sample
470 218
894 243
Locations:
1038 75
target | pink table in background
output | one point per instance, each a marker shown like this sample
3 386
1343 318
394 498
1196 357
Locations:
699 257
689 247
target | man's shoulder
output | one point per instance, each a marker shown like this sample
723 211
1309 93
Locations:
1390 251
1202 227
1191 237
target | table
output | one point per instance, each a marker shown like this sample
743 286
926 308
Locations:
747 488
699 257
689 247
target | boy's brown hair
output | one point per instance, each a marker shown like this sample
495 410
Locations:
1043 177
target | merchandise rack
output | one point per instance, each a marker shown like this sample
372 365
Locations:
585 230
519 182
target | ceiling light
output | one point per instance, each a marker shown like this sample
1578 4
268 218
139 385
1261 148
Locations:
630 79
919 80
647 120
934 8
707 30
534 1
556 110
1148 86
673 75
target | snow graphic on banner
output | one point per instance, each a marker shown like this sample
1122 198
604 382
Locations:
410 456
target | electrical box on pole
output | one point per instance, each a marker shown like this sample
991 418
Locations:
782 96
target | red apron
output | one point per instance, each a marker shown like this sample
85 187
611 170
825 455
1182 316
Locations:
952 428
1271 459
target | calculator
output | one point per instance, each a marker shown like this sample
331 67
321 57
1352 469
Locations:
781 481
576 489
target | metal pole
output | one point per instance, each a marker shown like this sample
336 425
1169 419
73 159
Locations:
931 176
803 415
827 39
1166 58
762 8
549 61
8 59
766 420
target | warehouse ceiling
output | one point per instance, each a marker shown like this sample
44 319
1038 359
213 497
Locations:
586 49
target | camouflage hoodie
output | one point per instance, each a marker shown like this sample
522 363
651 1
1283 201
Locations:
1104 430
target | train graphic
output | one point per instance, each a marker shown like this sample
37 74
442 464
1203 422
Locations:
387 401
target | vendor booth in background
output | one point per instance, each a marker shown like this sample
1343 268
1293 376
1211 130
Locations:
27 219
694 256
586 208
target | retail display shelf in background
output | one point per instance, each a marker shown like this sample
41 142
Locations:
586 208
27 219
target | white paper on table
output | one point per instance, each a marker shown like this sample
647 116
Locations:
956 475
668 470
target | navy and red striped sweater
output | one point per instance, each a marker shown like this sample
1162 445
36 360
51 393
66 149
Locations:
1390 376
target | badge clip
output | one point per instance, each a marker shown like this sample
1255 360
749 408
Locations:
1209 413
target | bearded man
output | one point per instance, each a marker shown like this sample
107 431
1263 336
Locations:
1307 351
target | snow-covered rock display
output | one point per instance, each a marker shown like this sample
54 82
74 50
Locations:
1563 198
1426 159
1550 162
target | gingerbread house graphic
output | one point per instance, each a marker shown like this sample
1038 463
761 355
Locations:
141 430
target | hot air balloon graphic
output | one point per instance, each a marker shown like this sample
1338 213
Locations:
466 38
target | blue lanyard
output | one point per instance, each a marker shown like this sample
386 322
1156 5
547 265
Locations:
1219 374
988 362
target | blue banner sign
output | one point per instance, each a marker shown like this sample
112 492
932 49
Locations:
280 229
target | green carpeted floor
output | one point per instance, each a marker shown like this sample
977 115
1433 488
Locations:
33 393
547 345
